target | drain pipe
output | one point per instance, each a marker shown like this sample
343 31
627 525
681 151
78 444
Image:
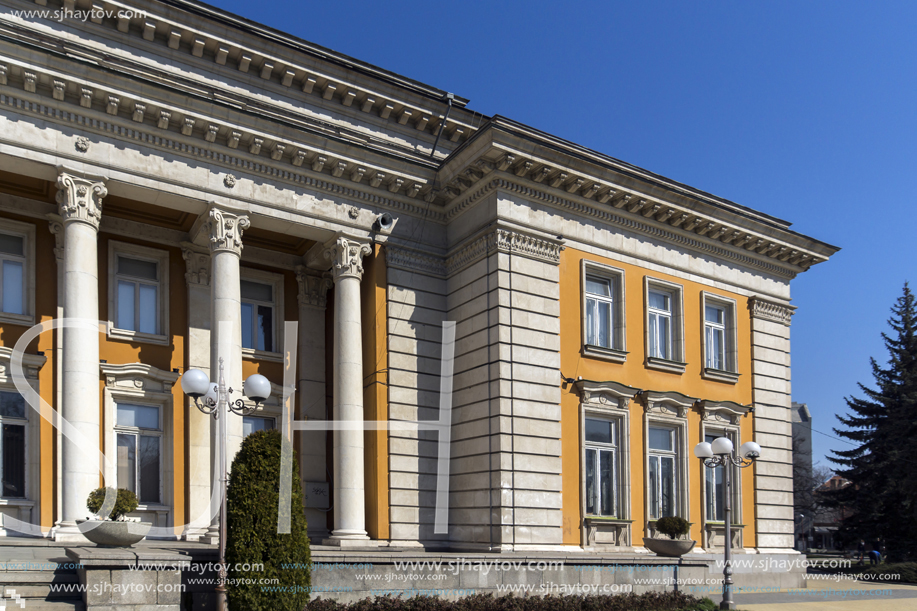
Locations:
449 98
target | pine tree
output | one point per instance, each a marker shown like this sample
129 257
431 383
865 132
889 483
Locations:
881 502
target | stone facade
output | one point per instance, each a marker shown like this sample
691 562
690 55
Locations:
372 210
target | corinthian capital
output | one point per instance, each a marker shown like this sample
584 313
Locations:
346 257
226 231
79 198
197 264
313 290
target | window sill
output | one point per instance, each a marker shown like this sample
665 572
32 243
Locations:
607 520
135 336
606 354
16 502
260 355
665 365
17 319
720 375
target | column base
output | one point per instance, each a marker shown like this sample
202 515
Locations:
68 532
194 534
351 538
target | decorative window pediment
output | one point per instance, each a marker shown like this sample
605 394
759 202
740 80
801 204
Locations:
31 365
724 411
607 394
668 403
138 377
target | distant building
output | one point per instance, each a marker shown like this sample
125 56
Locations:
803 486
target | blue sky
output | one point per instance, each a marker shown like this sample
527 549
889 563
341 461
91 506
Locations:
803 110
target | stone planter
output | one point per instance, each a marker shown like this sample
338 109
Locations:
670 548
108 533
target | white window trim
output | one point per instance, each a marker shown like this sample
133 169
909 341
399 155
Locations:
719 417
608 401
31 365
276 281
141 384
161 257
677 363
731 374
669 410
27 232
617 353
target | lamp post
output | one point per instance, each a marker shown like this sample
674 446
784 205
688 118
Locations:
716 454
217 402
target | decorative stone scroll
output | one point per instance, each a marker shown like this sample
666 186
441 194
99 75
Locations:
346 257
226 230
80 198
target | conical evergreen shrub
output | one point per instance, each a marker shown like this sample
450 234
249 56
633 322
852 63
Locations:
252 538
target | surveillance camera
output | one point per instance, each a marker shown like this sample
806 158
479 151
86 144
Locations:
384 223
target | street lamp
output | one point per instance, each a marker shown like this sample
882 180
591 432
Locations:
720 454
217 400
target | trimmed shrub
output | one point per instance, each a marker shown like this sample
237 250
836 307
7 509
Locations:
252 532
126 502
650 601
673 526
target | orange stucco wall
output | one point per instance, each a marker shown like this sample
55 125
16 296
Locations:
633 373
375 392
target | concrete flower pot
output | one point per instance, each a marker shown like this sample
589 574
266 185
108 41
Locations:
670 548
108 533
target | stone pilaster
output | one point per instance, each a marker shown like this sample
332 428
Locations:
225 230
197 276
346 256
313 297
770 338
79 200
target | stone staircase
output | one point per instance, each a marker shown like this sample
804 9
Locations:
33 587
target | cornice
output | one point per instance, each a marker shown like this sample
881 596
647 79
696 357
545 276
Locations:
507 241
287 75
723 411
609 393
31 363
662 221
102 108
771 310
138 376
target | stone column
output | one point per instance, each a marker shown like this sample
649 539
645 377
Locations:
346 256
313 293
197 276
225 231
80 203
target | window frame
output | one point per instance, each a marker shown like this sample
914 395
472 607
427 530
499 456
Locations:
140 253
730 374
676 361
23 508
617 352
276 281
137 432
26 231
614 449
668 410
140 384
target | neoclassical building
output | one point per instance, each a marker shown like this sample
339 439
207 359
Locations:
166 167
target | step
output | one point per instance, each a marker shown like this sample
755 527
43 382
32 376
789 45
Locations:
31 591
36 577
56 605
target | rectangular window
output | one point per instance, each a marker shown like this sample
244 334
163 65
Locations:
660 325
13 422
250 424
12 274
715 336
601 468
139 438
257 316
661 472
599 312
138 286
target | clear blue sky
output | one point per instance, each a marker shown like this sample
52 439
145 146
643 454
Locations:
803 110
